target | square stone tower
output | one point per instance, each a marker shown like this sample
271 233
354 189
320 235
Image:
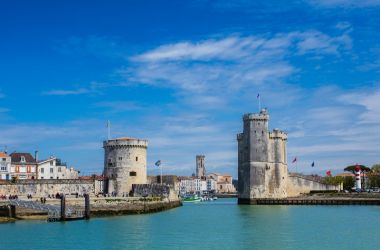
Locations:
200 166
262 162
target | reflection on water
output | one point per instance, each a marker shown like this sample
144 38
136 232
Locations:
219 224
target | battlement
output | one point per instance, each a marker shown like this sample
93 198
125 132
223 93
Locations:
278 134
262 116
240 136
125 142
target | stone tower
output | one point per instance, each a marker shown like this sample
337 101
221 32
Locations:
200 166
124 164
262 163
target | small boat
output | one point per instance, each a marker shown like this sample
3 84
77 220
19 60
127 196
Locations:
193 198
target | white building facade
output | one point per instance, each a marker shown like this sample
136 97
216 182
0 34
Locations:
193 185
23 166
53 168
5 166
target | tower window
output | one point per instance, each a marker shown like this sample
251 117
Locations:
120 158
137 158
133 173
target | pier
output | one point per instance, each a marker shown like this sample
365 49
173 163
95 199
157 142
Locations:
55 212
309 201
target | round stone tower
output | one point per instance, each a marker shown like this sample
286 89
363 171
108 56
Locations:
125 161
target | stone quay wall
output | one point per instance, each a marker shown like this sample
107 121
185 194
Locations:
153 190
298 185
46 187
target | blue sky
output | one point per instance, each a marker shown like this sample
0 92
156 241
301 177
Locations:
182 73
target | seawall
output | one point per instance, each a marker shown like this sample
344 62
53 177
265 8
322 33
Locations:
49 187
104 206
298 185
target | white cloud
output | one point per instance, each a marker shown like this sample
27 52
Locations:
79 91
3 110
203 72
340 128
119 106
251 47
93 88
344 3
370 101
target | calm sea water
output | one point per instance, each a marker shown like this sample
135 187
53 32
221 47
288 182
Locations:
213 225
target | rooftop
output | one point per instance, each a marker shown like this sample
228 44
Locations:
3 154
125 139
16 157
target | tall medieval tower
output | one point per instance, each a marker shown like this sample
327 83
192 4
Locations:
262 163
200 166
125 161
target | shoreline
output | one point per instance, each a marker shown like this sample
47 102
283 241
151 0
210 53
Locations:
318 199
101 207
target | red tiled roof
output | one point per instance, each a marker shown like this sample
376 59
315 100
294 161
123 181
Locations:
2 154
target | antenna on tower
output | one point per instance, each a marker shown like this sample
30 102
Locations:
108 129
258 97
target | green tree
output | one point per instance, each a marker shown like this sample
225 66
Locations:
348 182
376 168
352 168
374 176
333 180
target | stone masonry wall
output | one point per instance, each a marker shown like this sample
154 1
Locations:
298 185
46 187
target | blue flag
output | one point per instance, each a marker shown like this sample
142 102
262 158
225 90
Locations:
312 165
158 163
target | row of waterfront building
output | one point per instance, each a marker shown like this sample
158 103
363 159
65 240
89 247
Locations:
21 166
125 164
202 183
212 183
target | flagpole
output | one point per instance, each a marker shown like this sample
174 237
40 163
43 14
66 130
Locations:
161 173
259 103
108 129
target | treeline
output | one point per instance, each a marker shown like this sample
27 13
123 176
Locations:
373 179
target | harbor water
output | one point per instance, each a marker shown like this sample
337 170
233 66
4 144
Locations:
220 224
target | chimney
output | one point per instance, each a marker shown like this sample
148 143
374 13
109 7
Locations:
36 155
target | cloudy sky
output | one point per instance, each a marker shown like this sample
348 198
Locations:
182 73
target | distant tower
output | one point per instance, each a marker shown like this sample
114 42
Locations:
262 162
200 166
124 164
